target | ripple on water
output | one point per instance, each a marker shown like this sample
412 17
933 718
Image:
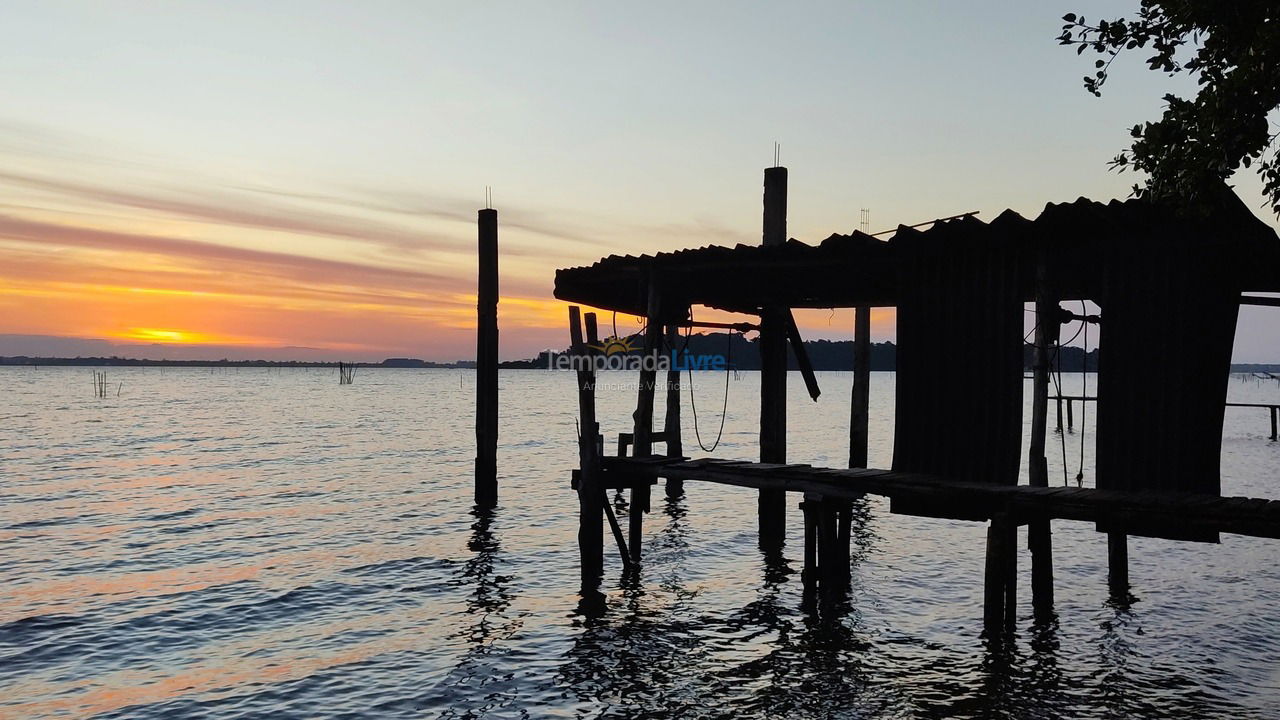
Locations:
266 543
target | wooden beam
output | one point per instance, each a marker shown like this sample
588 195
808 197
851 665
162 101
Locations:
772 508
975 500
590 496
1039 533
802 357
1000 583
486 465
671 424
1118 566
860 413
643 416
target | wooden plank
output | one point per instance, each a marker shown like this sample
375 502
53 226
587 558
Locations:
1171 511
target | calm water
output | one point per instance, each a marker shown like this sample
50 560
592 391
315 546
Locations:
266 543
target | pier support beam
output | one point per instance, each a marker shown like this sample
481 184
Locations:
827 525
1118 565
486 490
860 414
773 370
590 494
643 416
1000 590
1039 535
671 424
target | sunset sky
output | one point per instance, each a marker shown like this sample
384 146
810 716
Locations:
253 178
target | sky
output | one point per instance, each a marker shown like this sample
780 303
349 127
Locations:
281 179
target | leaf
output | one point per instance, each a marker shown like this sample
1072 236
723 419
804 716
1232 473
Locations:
1069 17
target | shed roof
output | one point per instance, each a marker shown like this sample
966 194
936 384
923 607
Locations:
1087 246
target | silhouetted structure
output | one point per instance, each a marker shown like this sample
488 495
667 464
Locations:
1158 273
486 494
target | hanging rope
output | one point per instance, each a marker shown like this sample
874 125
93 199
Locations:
724 410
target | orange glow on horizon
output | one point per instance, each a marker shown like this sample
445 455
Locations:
172 336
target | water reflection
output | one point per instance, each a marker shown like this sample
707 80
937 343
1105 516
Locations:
484 625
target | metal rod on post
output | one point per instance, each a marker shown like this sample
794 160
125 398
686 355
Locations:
486 480
773 369
860 415
590 496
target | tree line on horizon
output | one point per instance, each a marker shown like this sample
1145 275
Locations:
744 354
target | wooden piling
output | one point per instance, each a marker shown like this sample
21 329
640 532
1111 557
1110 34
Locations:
829 572
1071 419
1039 537
1000 592
1274 414
860 414
671 424
809 575
773 369
1118 565
593 342
486 480
590 495
643 417
844 534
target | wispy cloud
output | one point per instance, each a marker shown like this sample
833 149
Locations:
262 262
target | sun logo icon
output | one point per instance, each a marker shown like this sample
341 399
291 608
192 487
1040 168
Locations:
613 345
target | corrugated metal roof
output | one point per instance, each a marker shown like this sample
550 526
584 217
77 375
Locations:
1078 239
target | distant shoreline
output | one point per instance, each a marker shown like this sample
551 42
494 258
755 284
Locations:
389 363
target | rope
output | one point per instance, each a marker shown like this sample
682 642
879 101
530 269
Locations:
724 410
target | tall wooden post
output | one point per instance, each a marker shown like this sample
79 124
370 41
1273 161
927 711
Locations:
1039 535
671 425
643 433
773 369
590 496
486 492
860 415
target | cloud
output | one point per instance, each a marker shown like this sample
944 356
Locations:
297 267
225 210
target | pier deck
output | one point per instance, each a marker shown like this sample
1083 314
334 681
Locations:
932 496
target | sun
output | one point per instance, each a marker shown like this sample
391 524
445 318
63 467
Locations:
163 335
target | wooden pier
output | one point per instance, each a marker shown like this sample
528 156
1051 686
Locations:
959 285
